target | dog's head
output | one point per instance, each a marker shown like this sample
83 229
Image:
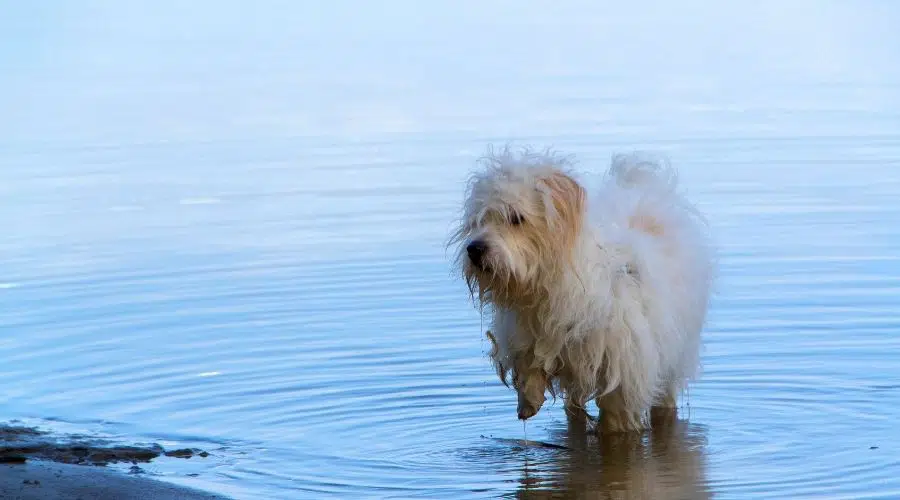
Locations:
522 218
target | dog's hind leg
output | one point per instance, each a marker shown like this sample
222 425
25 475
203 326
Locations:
666 407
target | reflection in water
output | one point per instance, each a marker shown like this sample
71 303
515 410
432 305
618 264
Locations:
667 462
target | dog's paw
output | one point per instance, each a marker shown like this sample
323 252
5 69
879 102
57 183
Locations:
530 402
527 410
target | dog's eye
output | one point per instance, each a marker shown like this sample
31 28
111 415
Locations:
515 218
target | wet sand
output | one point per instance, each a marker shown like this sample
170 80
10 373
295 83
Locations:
35 464
50 480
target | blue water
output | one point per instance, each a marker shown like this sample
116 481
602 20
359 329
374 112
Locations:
223 226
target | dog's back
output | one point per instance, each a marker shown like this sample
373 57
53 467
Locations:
670 242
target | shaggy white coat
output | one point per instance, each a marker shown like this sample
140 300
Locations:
592 298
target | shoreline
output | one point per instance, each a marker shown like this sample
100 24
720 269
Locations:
40 465
41 480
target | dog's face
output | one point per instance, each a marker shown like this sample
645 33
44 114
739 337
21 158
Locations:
520 224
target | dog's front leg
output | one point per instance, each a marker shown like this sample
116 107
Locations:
531 394
616 416
530 383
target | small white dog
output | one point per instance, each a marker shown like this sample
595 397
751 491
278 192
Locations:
602 300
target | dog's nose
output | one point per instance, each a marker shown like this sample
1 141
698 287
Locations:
476 251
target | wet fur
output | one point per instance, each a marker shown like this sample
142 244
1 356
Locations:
598 299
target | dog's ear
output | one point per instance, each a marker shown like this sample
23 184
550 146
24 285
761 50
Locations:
565 207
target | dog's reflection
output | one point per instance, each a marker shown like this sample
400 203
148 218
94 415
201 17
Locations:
666 462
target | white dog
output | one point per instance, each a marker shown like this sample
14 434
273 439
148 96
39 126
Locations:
602 300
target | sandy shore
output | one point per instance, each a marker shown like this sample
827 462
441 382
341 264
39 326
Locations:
39 465
55 481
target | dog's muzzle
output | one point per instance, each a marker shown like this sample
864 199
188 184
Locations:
476 251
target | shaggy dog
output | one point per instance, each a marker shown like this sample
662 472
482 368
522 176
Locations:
600 300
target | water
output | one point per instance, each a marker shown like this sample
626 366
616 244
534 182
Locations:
224 226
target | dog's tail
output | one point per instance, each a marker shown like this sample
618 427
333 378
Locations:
643 170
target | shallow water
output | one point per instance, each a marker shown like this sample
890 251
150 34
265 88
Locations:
224 227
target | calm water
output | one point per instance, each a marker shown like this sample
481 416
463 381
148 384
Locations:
223 226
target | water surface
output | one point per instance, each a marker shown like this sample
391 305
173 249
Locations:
224 227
